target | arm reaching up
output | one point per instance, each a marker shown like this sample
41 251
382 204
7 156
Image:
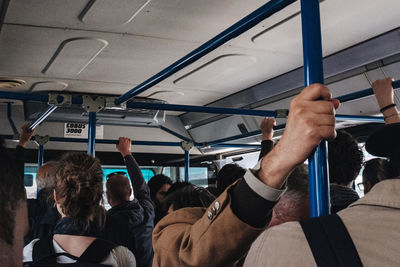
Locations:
267 130
383 91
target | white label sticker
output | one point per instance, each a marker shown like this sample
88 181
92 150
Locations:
81 130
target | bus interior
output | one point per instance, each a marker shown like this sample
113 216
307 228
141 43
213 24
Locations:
100 49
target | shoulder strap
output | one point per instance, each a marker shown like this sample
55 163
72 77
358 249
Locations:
97 251
330 242
43 248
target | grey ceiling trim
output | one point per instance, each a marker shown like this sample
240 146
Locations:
3 10
375 49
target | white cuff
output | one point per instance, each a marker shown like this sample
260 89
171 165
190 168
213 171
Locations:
261 189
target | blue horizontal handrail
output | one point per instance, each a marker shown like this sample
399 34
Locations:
178 135
359 118
233 31
363 93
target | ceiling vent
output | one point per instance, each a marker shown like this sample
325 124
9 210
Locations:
10 83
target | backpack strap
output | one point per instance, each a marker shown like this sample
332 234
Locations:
97 251
42 249
330 242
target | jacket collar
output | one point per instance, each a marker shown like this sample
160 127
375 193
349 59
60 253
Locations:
385 194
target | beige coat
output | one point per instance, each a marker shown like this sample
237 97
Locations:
200 237
373 223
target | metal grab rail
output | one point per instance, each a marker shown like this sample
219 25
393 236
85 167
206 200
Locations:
42 117
233 31
202 109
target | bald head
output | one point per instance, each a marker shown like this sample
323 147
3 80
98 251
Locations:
118 189
46 175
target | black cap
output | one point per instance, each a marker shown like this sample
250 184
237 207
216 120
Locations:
385 142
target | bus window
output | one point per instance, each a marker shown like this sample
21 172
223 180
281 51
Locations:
197 175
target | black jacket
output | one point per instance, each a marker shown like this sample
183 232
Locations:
131 224
42 217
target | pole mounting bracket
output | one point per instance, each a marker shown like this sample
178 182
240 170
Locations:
187 145
60 100
110 104
93 104
41 140
282 113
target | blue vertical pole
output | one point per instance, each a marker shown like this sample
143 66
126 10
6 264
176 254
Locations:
187 165
92 134
314 73
40 155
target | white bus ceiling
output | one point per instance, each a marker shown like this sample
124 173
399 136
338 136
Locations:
108 47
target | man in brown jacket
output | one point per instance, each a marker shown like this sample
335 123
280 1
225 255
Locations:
222 234
372 222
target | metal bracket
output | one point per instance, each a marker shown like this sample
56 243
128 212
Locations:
110 104
60 100
93 105
41 140
282 113
187 146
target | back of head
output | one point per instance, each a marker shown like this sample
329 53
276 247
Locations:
189 196
12 211
376 170
118 189
228 175
46 175
156 182
293 204
79 186
385 143
345 158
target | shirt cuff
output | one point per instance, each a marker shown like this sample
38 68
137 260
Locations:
261 189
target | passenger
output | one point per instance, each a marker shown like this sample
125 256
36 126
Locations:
159 185
376 214
267 132
162 210
188 196
223 234
345 162
375 170
13 211
78 194
227 175
293 204
42 213
130 223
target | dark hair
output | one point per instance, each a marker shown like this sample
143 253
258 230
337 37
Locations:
176 186
118 188
213 190
188 196
79 186
297 182
345 158
156 182
12 193
228 175
376 170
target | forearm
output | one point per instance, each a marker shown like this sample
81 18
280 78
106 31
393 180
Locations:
136 176
266 147
391 115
